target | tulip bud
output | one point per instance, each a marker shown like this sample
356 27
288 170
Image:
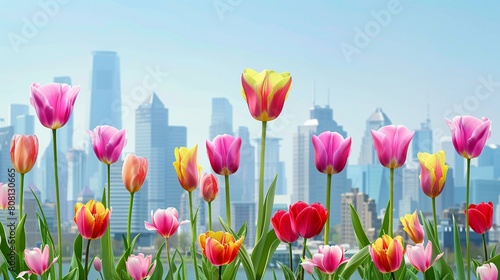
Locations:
209 187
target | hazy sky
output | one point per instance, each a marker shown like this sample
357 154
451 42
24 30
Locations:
398 55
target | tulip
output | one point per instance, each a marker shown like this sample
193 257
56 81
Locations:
327 260
37 261
420 257
481 217
387 253
469 135
23 152
53 103
97 264
265 92
412 226
224 154
220 247
108 143
165 222
4 196
308 220
209 187
391 143
187 168
331 151
283 227
92 219
433 170
487 271
140 267
134 172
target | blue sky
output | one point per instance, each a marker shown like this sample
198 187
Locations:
441 53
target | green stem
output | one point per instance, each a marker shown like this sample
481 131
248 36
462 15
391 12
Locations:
168 259
130 217
394 277
109 186
435 221
210 216
58 204
100 273
328 191
86 269
193 234
391 200
228 199
220 272
291 255
467 186
304 246
21 197
485 248
260 204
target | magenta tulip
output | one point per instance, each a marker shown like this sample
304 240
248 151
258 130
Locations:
391 143
420 257
108 143
53 103
37 261
331 151
97 264
327 260
282 224
469 135
140 267
4 196
209 187
224 154
165 222
308 220
487 271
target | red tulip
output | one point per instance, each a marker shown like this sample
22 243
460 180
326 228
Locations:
481 217
53 103
469 135
391 143
23 152
209 187
224 154
283 228
134 172
331 151
308 220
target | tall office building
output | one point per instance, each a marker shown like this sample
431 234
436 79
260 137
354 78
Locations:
76 160
6 134
376 120
242 182
308 182
241 213
105 108
422 140
23 123
65 133
272 165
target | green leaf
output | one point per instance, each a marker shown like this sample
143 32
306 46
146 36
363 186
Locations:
20 244
286 271
459 260
108 262
385 222
361 237
158 273
72 274
355 262
121 265
245 258
76 259
493 251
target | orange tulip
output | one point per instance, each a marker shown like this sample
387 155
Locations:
92 219
387 253
187 168
23 152
134 172
220 247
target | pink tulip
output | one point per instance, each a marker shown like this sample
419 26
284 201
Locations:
37 261
209 187
331 151
420 257
140 267
469 135
4 196
224 154
97 264
108 143
391 143
53 103
282 224
165 222
23 152
308 220
327 260
134 172
487 271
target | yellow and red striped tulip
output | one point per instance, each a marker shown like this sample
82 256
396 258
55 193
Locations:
92 219
220 247
187 168
433 170
387 253
412 226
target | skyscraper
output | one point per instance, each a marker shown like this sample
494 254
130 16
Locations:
243 181
422 140
308 182
272 165
23 123
6 134
376 120
76 161
65 133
